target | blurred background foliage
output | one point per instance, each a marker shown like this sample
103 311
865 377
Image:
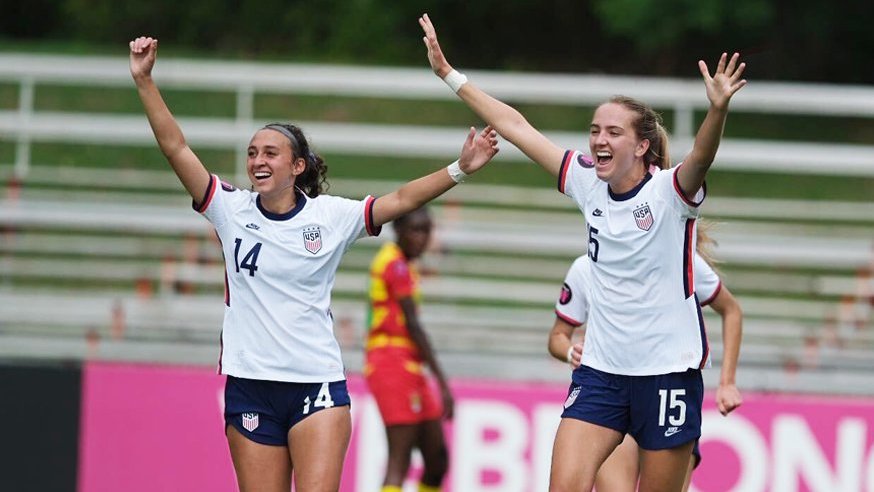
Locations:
805 40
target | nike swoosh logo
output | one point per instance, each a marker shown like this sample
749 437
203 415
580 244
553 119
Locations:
670 432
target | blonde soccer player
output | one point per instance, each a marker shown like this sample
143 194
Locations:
645 344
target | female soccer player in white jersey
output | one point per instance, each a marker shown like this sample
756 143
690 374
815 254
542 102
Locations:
286 403
645 343
620 472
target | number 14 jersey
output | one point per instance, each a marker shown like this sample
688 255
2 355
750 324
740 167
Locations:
279 272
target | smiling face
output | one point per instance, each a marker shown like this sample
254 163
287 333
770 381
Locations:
615 147
270 164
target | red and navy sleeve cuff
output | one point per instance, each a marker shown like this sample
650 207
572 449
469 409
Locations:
207 196
372 230
713 296
563 170
683 195
567 319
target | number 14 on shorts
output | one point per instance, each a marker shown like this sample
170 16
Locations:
323 400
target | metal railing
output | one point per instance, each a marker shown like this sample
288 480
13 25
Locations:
247 79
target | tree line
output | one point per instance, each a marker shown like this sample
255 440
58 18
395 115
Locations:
807 40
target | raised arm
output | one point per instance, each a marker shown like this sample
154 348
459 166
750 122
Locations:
509 123
727 395
189 169
475 153
420 338
724 83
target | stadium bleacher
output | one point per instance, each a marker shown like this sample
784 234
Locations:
112 263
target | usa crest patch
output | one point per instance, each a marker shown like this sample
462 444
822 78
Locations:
312 239
572 397
250 421
643 217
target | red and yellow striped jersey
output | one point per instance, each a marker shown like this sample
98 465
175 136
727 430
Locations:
392 278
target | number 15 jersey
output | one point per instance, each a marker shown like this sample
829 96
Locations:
644 316
279 272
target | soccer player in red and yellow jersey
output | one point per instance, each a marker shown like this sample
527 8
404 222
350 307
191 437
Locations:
397 349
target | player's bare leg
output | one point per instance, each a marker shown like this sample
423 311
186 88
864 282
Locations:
259 467
434 453
318 446
619 472
688 481
664 470
580 448
401 439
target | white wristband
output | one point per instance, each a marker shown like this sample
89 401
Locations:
570 355
456 173
455 80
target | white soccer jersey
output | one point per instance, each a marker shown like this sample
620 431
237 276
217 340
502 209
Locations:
573 303
707 282
279 272
644 318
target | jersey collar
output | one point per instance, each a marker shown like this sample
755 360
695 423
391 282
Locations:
619 197
299 199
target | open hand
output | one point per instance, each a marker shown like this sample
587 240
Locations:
143 51
439 64
478 149
725 81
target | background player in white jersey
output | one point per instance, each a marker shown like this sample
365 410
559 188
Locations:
286 402
620 472
645 343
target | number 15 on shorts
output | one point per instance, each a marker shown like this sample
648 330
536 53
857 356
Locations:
672 406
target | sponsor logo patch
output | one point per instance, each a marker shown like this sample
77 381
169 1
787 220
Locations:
643 217
227 186
250 421
671 431
585 161
251 225
566 294
312 239
598 212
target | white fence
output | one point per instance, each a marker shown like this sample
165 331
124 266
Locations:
786 307
246 80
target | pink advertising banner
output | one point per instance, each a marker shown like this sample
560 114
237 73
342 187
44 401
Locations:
159 428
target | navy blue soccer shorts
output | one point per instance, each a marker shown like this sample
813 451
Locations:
264 411
659 412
